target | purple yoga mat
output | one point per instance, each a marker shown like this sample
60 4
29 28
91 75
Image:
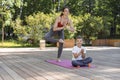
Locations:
65 63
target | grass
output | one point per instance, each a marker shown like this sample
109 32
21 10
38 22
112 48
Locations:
15 44
18 44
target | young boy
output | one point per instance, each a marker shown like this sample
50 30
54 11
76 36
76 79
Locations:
79 51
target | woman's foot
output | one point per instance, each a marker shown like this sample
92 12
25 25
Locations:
58 60
61 41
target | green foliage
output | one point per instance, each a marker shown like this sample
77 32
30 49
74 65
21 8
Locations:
39 24
69 34
18 27
6 13
34 6
89 26
6 9
92 19
15 44
118 29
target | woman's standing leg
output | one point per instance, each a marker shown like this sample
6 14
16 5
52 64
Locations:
48 37
60 48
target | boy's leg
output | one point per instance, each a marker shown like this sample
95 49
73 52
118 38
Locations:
81 63
87 60
76 63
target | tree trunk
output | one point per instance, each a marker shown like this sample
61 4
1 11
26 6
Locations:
64 2
3 35
113 27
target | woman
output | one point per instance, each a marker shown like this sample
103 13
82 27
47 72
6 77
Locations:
58 28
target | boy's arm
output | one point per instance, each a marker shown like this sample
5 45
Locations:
74 52
75 55
80 53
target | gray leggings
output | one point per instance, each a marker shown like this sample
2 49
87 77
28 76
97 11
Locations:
49 37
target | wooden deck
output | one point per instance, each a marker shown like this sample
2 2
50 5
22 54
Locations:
29 64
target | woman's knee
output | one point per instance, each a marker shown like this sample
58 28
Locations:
46 36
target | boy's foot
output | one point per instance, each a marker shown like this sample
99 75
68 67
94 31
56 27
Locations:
89 65
61 41
77 67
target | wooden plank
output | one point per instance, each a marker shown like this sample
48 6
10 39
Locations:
43 71
100 69
26 70
4 75
20 72
1 78
107 62
11 72
58 70
35 69
46 65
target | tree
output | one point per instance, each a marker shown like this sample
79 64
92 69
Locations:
5 15
33 6
6 11
114 9
111 10
89 27
38 24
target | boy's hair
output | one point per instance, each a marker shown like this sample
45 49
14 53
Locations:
78 37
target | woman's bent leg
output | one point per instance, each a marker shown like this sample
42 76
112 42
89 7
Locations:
49 35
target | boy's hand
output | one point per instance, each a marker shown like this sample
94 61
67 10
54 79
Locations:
82 51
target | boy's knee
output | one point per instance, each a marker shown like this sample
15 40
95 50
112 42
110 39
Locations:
90 59
74 64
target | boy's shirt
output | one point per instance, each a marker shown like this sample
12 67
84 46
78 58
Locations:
76 49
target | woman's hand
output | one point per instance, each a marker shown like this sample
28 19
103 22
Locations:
70 26
72 29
